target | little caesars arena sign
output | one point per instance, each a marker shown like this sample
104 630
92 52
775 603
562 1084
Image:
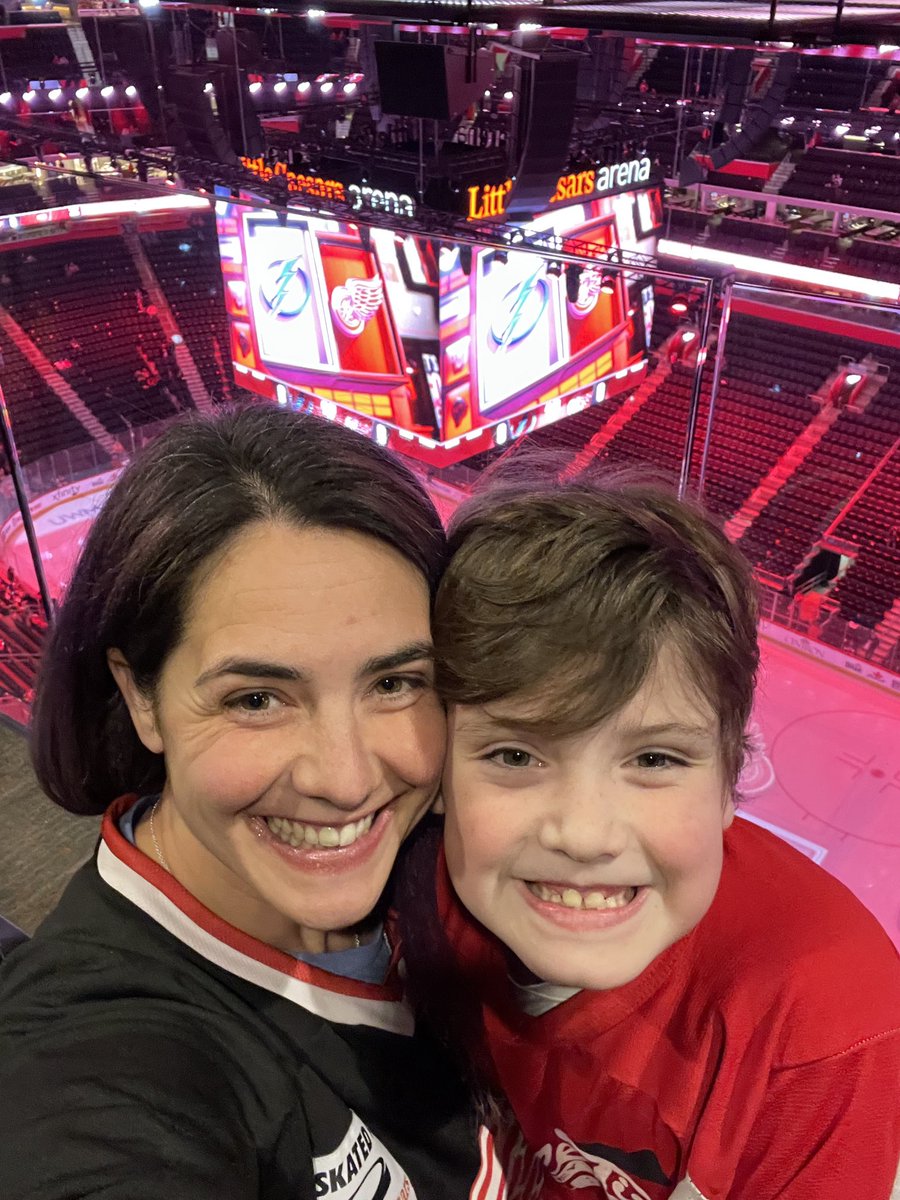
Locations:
490 199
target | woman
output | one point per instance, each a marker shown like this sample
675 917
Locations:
241 678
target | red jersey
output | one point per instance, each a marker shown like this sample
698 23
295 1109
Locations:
757 1058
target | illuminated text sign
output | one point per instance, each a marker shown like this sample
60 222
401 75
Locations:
490 200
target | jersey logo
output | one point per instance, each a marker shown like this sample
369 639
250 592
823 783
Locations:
355 302
360 1168
577 1167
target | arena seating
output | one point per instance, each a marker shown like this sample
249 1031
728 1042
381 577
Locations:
866 180
832 83
186 262
22 631
42 423
81 301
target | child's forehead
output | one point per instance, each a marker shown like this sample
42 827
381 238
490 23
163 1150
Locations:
667 701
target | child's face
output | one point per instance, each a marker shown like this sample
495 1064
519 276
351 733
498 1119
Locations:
589 855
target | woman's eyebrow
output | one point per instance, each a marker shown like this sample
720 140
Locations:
252 667
398 658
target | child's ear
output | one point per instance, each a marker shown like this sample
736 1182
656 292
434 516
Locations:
728 812
140 706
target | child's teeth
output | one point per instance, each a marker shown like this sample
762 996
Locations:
571 898
297 833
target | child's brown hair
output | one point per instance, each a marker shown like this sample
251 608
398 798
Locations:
563 593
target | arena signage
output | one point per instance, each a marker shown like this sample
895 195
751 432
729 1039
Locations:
490 200
307 185
354 194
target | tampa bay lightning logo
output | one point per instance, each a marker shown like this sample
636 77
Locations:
520 310
284 289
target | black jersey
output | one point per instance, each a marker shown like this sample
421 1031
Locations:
151 1051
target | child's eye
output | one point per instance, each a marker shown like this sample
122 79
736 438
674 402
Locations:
509 756
656 760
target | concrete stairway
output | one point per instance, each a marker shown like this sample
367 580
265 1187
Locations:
785 170
802 446
887 631
183 357
83 53
622 416
55 381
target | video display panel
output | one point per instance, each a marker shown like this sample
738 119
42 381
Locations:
437 348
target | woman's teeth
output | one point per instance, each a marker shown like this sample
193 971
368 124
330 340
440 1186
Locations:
330 837
571 898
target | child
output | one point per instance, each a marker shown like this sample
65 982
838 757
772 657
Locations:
675 1002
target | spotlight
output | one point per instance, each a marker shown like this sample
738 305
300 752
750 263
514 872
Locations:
304 87
280 86
840 130
315 14
55 94
349 88
255 87
108 91
608 285
852 379
500 256
554 268
508 95
679 306
207 88
83 93
29 96
131 92
688 336
5 97
326 87
148 5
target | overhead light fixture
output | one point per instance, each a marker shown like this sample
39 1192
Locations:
131 91
852 379
349 88
208 87
82 93
107 92
315 14
255 86
679 306
5 97
54 94
304 87
29 96
608 285
280 86
326 87
509 95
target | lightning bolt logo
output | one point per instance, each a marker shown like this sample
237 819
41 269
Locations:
520 310
284 289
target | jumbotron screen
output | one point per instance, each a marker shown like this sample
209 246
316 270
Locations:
438 349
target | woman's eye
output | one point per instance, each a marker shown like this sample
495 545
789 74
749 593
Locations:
655 760
509 756
253 702
398 686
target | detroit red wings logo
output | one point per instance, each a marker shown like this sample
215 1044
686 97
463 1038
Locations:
569 1164
355 302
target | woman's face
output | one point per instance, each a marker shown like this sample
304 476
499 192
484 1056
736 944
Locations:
302 735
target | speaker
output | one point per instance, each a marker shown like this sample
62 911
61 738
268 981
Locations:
184 90
432 82
755 125
737 76
242 45
546 118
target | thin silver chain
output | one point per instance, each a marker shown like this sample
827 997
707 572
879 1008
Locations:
156 846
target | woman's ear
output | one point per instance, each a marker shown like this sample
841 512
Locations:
140 706
438 805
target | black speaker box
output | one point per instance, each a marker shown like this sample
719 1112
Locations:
204 132
547 115
432 82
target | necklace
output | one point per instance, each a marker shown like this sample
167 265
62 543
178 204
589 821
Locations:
156 847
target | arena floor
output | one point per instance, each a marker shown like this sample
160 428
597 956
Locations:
826 776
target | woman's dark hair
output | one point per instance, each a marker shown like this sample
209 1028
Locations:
177 505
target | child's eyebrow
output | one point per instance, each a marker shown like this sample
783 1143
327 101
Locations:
485 726
667 729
